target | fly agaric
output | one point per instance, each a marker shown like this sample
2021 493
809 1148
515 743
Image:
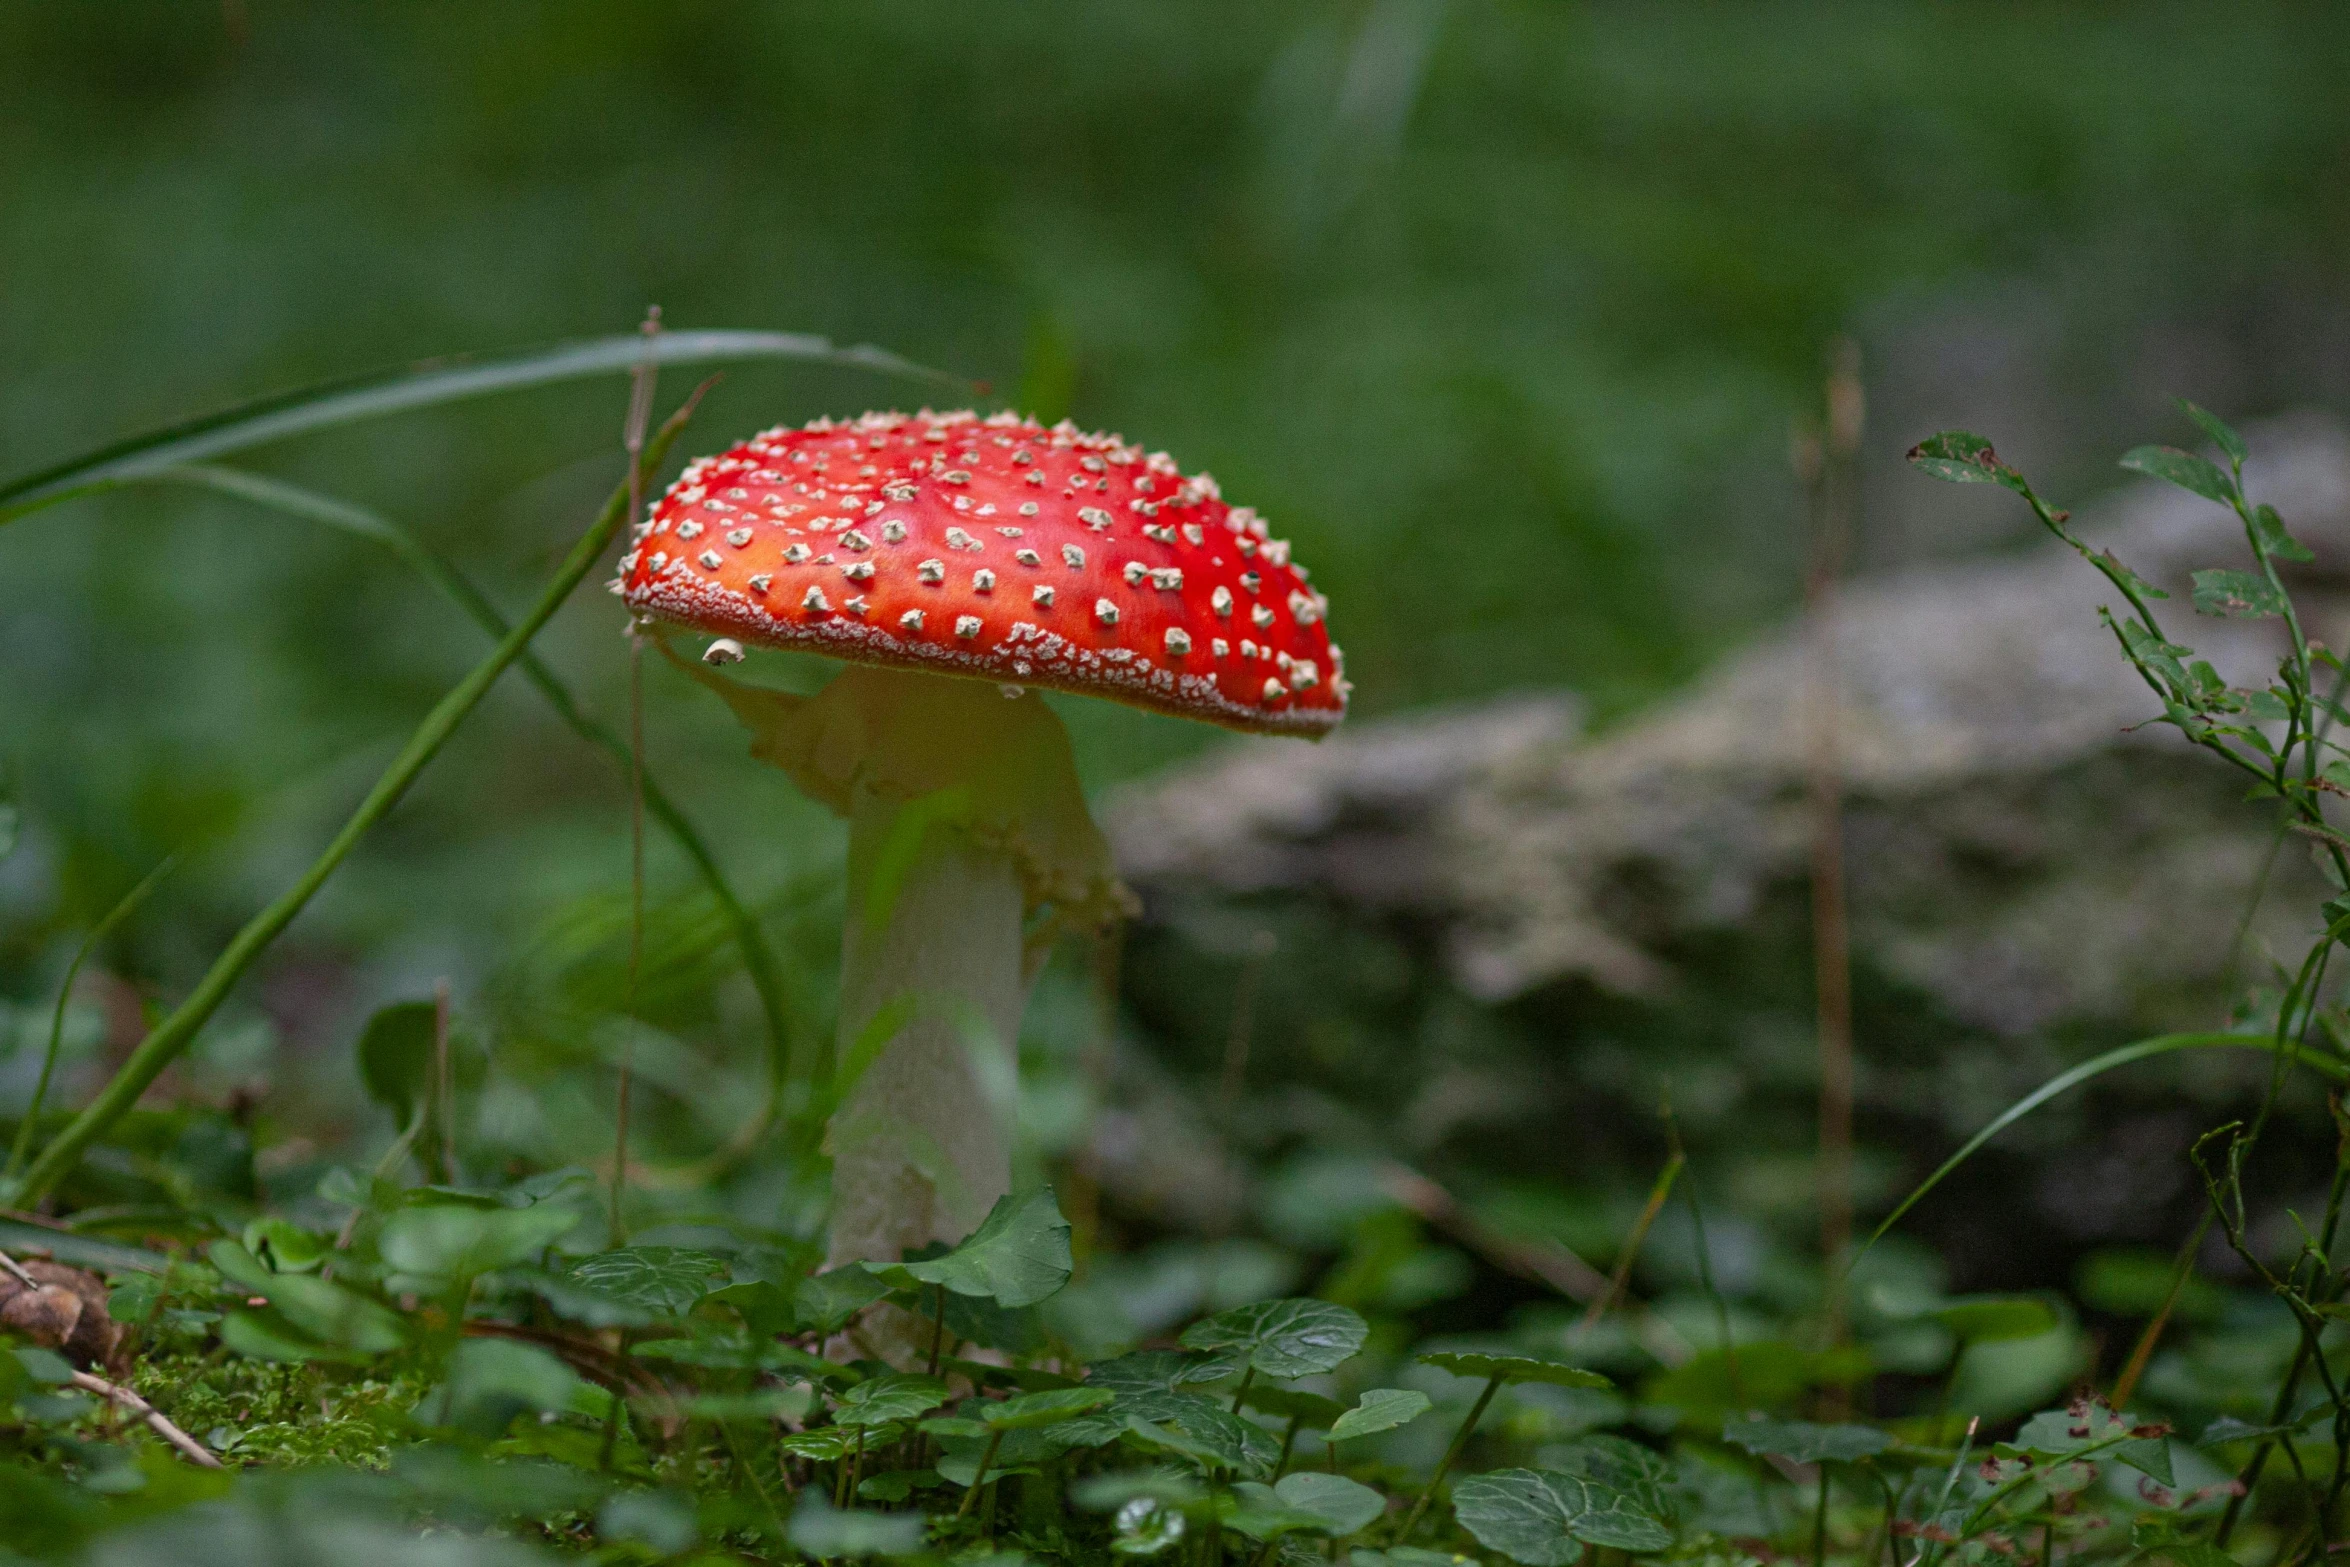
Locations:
953 562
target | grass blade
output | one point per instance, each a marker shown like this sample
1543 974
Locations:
435 381
790 1055
175 1033
98 933
2098 1066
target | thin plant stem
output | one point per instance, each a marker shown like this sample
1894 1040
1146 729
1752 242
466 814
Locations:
443 1088
2182 1271
114 917
1451 1455
995 1439
177 1031
1237 1039
1240 1394
1622 1276
1819 1523
632 441
1288 1441
1831 525
1705 1279
938 1328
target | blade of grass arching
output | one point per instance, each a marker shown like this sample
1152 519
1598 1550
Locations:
790 1045
176 1032
98 933
435 381
2125 1055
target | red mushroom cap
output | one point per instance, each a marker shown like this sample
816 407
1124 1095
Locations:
999 549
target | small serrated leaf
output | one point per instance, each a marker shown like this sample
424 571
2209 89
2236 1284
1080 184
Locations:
1962 457
2240 594
2137 584
1379 1409
2269 528
2223 437
2184 469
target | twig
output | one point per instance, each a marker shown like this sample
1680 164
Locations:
192 1450
1544 1262
17 1268
1632 1242
1832 482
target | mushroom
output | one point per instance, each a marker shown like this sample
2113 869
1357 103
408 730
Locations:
954 562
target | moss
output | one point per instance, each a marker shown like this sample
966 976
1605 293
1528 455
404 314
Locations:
269 1412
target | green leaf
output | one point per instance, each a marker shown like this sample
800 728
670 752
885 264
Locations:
896 1395
492 1380
266 1335
2184 469
893 1486
395 1057
284 1247
767 1403
1031 1411
1962 457
1018 1256
824 1302
429 1249
1311 1410
331 1320
981 1321
576 1302
1514 1368
1342 1505
2226 439
1201 1429
668 1280
2058 1433
726 1347
2269 528
1147 1526
826 1444
1255 1510
1379 1409
1988 1319
1016 1451
374 395
766 1309
1804 1442
1544 1517
1282 1338
1150 1371
819 1529
2242 594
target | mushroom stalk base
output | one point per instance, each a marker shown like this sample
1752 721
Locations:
932 987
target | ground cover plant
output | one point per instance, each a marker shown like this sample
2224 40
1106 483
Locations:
449 1351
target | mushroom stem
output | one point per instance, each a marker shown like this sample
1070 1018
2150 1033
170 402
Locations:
969 847
932 988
